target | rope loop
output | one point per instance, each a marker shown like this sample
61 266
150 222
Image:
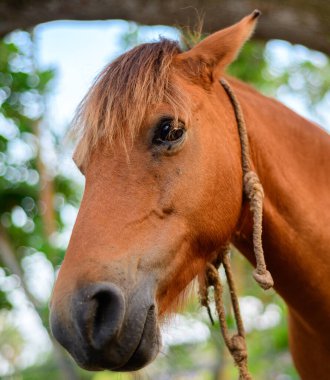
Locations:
255 193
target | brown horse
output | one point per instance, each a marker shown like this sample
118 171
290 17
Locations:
160 151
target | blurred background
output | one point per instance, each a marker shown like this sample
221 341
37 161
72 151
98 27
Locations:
44 72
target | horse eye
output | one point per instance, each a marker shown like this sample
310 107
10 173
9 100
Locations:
168 132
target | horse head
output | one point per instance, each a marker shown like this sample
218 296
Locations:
160 151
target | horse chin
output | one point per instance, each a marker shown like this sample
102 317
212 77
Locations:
147 348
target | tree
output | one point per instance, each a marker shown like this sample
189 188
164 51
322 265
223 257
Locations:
27 191
305 22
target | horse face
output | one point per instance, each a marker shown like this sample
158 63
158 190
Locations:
149 220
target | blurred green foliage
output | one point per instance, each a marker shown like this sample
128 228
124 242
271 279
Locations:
33 195
28 193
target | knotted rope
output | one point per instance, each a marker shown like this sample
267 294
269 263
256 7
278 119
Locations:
253 190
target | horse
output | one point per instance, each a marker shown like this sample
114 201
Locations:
159 147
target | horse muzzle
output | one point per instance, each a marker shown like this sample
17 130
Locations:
103 330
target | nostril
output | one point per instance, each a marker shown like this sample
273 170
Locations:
100 312
108 316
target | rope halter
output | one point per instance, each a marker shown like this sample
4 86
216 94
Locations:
253 190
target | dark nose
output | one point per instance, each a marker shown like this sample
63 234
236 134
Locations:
99 313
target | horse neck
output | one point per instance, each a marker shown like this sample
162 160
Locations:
292 158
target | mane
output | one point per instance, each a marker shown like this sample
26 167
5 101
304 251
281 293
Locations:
117 103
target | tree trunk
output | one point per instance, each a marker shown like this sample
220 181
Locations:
305 22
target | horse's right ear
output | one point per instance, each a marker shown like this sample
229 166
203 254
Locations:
209 58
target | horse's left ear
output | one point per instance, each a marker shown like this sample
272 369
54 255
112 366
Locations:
209 58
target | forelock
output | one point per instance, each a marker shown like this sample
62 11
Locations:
117 103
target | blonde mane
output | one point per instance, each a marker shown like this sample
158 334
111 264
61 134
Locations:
117 103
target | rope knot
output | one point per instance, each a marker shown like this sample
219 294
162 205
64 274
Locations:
252 185
238 348
263 278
